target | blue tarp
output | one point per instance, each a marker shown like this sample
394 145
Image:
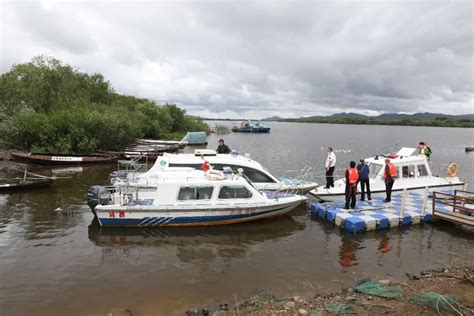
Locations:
195 137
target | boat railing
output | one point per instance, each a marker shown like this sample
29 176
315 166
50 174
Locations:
301 176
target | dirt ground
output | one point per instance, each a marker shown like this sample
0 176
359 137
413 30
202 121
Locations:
458 282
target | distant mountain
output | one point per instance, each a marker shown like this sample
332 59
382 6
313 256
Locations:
423 116
273 119
387 116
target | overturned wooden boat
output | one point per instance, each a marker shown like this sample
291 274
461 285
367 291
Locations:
28 181
52 159
23 184
178 143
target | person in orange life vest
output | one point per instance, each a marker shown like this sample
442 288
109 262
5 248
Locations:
389 175
352 178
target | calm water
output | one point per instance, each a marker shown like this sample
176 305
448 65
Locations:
64 264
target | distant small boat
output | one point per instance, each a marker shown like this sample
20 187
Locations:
22 184
195 138
469 149
51 159
247 127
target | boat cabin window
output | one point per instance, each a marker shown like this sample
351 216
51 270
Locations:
408 171
374 170
422 172
195 193
234 192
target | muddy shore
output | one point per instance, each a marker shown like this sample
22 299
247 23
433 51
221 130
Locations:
449 282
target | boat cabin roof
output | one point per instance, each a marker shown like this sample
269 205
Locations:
189 159
403 156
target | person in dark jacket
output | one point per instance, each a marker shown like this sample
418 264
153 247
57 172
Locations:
352 177
389 175
222 148
364 180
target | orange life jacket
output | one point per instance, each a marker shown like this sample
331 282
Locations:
353 175
205 166
393 171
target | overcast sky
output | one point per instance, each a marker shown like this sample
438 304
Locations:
257 59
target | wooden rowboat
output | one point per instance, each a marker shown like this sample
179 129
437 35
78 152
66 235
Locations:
51 159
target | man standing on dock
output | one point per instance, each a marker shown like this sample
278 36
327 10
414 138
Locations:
222 148
364 180
352 177
330 167
389 175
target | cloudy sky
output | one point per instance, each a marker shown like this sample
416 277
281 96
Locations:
257 59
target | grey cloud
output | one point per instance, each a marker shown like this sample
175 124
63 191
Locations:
264 58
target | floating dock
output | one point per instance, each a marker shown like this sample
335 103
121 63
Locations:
408 208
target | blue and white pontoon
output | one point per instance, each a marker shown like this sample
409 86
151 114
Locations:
413 174
188 197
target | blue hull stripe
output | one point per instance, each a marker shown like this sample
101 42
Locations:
178 220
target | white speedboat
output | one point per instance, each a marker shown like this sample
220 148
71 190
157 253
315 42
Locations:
295 181
188 197
413 174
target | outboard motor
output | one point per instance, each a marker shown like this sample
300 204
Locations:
96 195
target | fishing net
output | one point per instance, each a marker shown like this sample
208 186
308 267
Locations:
339 308
371 287
435 301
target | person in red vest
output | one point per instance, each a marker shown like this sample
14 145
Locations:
352 177
389 175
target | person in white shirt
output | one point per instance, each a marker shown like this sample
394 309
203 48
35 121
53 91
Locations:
330 166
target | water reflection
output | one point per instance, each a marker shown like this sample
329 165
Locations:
195 244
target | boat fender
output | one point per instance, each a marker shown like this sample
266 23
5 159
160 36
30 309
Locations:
452 169
96 195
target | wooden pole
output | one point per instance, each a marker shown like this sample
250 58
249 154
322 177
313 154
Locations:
464 188
454 200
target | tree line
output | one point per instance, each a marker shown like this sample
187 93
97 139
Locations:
440 121
47 106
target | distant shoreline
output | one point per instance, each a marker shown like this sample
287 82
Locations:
423 123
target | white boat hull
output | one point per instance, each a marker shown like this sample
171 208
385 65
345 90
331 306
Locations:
151 216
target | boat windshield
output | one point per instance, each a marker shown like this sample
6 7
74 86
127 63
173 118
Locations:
374 170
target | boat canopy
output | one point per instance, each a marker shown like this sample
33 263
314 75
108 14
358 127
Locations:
406 151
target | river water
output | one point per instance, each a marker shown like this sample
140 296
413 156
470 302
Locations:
64 264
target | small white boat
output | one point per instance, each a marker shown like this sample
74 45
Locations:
188 197
413 174
294 181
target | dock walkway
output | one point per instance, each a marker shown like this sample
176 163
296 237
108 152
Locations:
404 209
461 204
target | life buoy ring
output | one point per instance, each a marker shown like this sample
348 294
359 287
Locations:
452 170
